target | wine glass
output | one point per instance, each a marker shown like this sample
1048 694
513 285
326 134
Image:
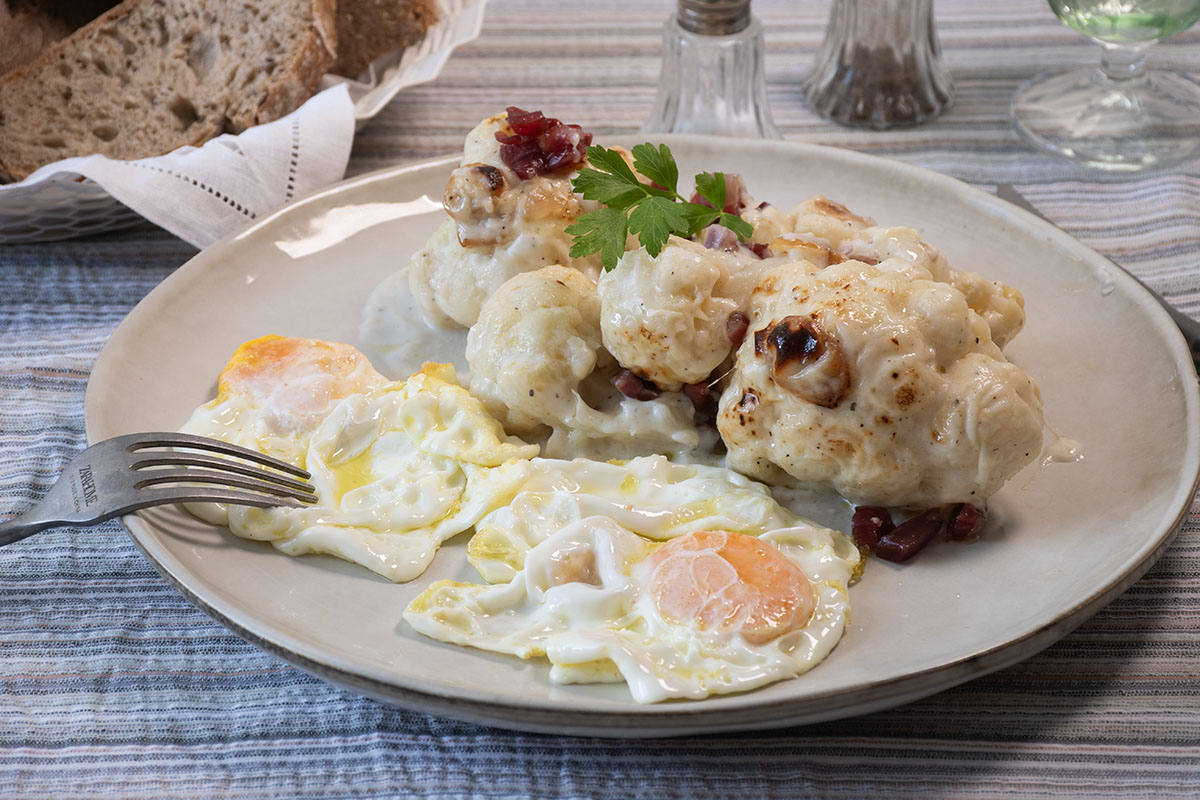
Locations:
1119 116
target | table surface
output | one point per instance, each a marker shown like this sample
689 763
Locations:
112 685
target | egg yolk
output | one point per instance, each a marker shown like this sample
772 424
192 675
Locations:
573 565
732 582
298 379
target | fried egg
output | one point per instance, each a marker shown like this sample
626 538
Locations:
706 612
651 496
399 467
275 391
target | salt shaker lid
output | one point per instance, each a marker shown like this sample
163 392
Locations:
714 17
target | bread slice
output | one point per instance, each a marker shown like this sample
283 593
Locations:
369 29
149 76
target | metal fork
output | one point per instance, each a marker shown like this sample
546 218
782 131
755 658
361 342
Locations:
125 473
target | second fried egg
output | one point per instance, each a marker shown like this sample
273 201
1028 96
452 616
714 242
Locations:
707 612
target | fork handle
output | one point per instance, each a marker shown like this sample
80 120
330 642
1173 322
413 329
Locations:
24 526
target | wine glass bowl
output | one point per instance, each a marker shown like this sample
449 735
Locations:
1118 116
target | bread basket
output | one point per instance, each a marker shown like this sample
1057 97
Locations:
52 205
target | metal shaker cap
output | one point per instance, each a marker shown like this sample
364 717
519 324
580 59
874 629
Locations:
714 17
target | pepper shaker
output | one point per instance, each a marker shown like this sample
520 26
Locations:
880 65
712 73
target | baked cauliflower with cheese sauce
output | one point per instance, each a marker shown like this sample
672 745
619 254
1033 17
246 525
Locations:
823 350
824 232
538 364
665 318
880 382
500 224
535 342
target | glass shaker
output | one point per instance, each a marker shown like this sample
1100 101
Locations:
712 73
880 65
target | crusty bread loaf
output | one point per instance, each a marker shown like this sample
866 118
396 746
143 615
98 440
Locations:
152 75
369 29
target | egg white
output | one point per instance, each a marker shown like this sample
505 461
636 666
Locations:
651 496
398 469
582 602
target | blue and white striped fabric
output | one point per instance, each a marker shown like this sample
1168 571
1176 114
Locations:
113 686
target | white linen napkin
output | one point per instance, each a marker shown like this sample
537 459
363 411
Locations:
203 193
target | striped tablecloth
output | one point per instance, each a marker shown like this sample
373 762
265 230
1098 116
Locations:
113 686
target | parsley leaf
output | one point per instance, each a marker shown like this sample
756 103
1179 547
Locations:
613 162
603 187
603 230
711 186
743 229
654 221
699 217
651 212
657 165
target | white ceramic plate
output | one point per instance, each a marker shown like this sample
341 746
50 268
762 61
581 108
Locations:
1064 538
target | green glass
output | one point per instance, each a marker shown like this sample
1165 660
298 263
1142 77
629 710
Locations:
1128 21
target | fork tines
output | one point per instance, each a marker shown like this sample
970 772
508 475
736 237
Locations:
160 467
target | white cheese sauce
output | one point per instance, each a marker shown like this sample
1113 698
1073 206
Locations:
398 340
1062 451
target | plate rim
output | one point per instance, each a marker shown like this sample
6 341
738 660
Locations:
545 715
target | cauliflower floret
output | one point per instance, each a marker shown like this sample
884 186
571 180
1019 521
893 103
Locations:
538 364
660 317
823 219
823 233
814 231
882 383
450 282
499 226
769 222
536 340
1002 307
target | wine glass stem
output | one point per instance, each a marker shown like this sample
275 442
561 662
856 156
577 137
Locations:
1124 62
